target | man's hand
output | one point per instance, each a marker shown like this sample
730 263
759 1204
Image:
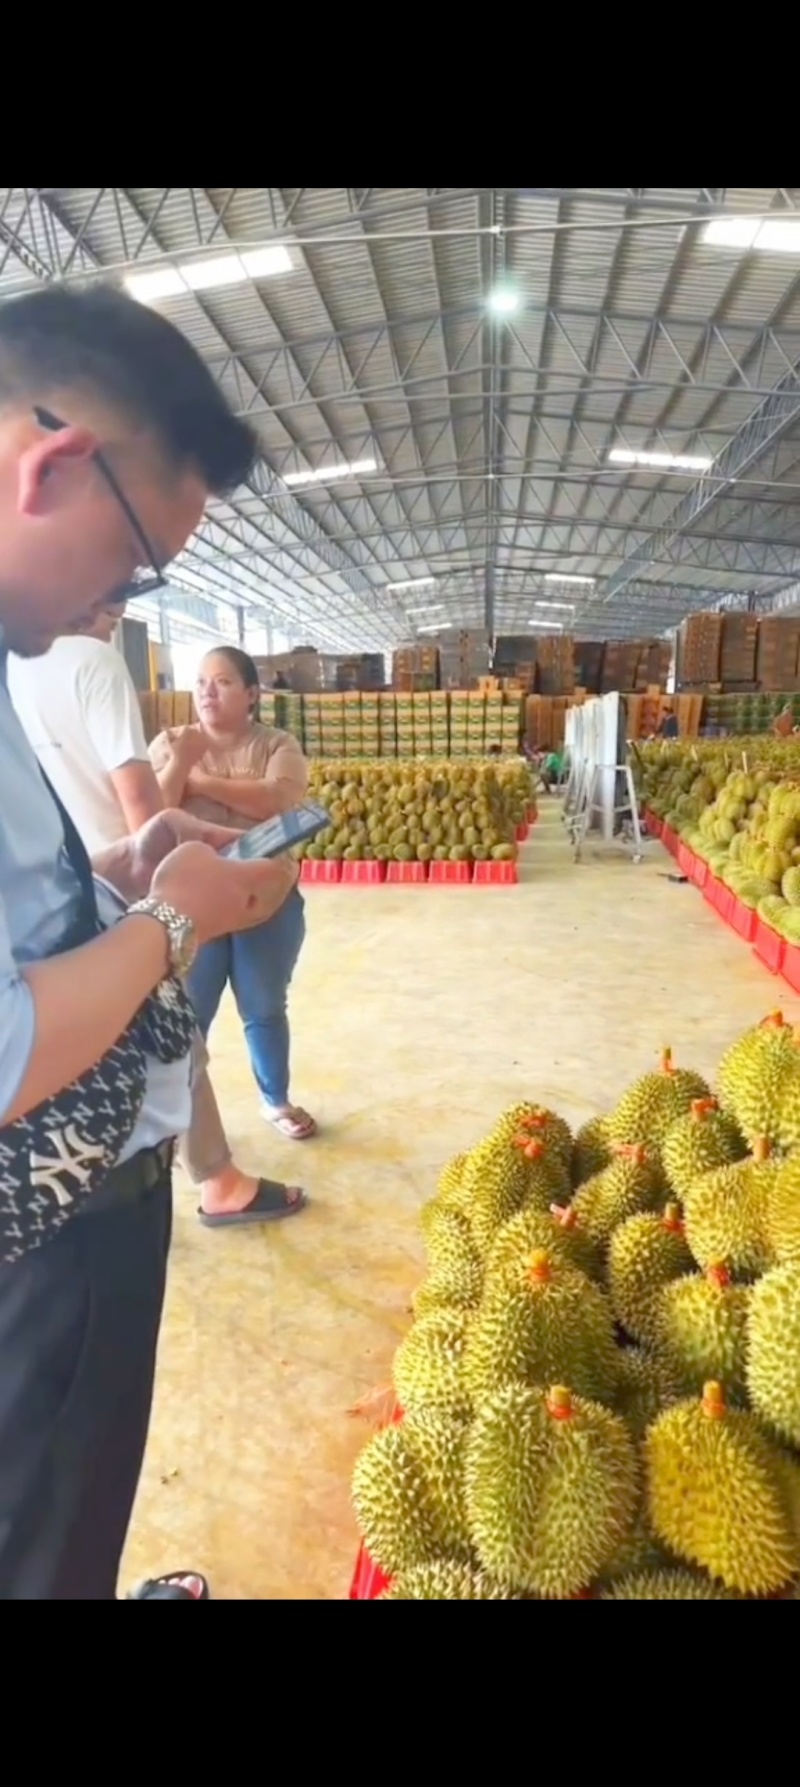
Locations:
131 864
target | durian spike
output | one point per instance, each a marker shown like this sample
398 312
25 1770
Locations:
713 1404
762 1148
672 1219
540 1270
564 1215
718 1275
559 1403
702 1107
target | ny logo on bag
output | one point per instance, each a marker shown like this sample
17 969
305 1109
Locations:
73 1152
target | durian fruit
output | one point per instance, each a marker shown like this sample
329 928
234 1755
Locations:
759 1083
649 1108
451 1176
717 1494
725 1214
705 1138
552 1485
427 1369
548 1177
540 1124
494 1187
665 1585
557 1230
455 1286
631 1183
702 1327
782 1223
538 1320
591 1151
403 1519
446 1580
647 1382
773 1368
639 1551
644 1253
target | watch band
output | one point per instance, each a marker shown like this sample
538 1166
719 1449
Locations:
180 931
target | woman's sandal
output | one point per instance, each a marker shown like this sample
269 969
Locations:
172 1588
295 1124
273 1202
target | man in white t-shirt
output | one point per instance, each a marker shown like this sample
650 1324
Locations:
81 713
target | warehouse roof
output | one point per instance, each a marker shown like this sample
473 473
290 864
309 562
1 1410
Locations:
450 386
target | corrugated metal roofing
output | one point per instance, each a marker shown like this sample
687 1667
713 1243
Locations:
490 434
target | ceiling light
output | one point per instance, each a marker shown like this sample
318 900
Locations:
436 629
325 473
666 462
771 235
504 301
432 608
553 626
567 607
413 583
567 577
202 276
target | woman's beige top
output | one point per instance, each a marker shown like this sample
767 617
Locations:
265 755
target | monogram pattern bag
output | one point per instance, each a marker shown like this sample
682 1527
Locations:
55 1157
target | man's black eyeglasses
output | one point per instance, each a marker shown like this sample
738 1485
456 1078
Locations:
151 576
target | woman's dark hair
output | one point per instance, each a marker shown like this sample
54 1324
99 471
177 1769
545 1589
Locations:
245 667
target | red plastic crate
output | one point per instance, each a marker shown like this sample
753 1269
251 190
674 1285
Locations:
685 858
790 966
496 874
726 900
669 839
742 920
769 946
368 1581
654 825
533 814
409 873
699 871
450 874
328 872
523 832
711 889
363 874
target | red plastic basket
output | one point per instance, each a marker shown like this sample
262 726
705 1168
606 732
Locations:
533 814
363 874
669 839
742 920
450 874
523 832
769 946
495 874
699 870
790 966
711 889
654 825
410 874
726 900
329 873
685 859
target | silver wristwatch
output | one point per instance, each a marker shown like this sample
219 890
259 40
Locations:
180 931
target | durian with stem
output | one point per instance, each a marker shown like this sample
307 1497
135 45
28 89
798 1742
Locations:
631 1183
718 1496
759 1082
404 1518
782 1223
427 1370
552 1486
539 1124
592 1150
704 1138
644 1254
548 1177
647 1111
538 1320
725 1213
702 1327
557 1230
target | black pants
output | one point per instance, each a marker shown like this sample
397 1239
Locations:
79 1323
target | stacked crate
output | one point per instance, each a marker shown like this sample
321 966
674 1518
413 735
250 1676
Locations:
588 661
463 657
289 714
440 725
737 658
423 735
387 725
371 725
415 667
555 665
699 649
778 652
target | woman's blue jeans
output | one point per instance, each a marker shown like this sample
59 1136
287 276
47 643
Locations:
259 965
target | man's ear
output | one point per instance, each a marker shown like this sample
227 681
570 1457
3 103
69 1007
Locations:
47 460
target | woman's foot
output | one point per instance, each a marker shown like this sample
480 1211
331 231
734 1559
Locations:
172 1588
291 1121
235 1197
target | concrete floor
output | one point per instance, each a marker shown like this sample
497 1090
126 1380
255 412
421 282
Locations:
417 1016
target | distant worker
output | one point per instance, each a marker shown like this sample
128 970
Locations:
279 680
669 723
784 725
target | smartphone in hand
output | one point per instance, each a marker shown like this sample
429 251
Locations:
278 834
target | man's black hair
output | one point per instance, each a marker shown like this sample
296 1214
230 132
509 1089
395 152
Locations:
103 342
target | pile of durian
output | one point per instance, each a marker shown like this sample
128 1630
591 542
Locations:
420 810
600 1392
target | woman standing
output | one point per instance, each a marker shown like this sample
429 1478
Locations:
229 763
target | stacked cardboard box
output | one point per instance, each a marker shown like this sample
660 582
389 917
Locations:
415 667
737 658
463 658
778 652
387 718
699 649
588 661
440 725
555 664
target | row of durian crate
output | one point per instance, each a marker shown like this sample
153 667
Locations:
600 1391
738 808
459 723
425 811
